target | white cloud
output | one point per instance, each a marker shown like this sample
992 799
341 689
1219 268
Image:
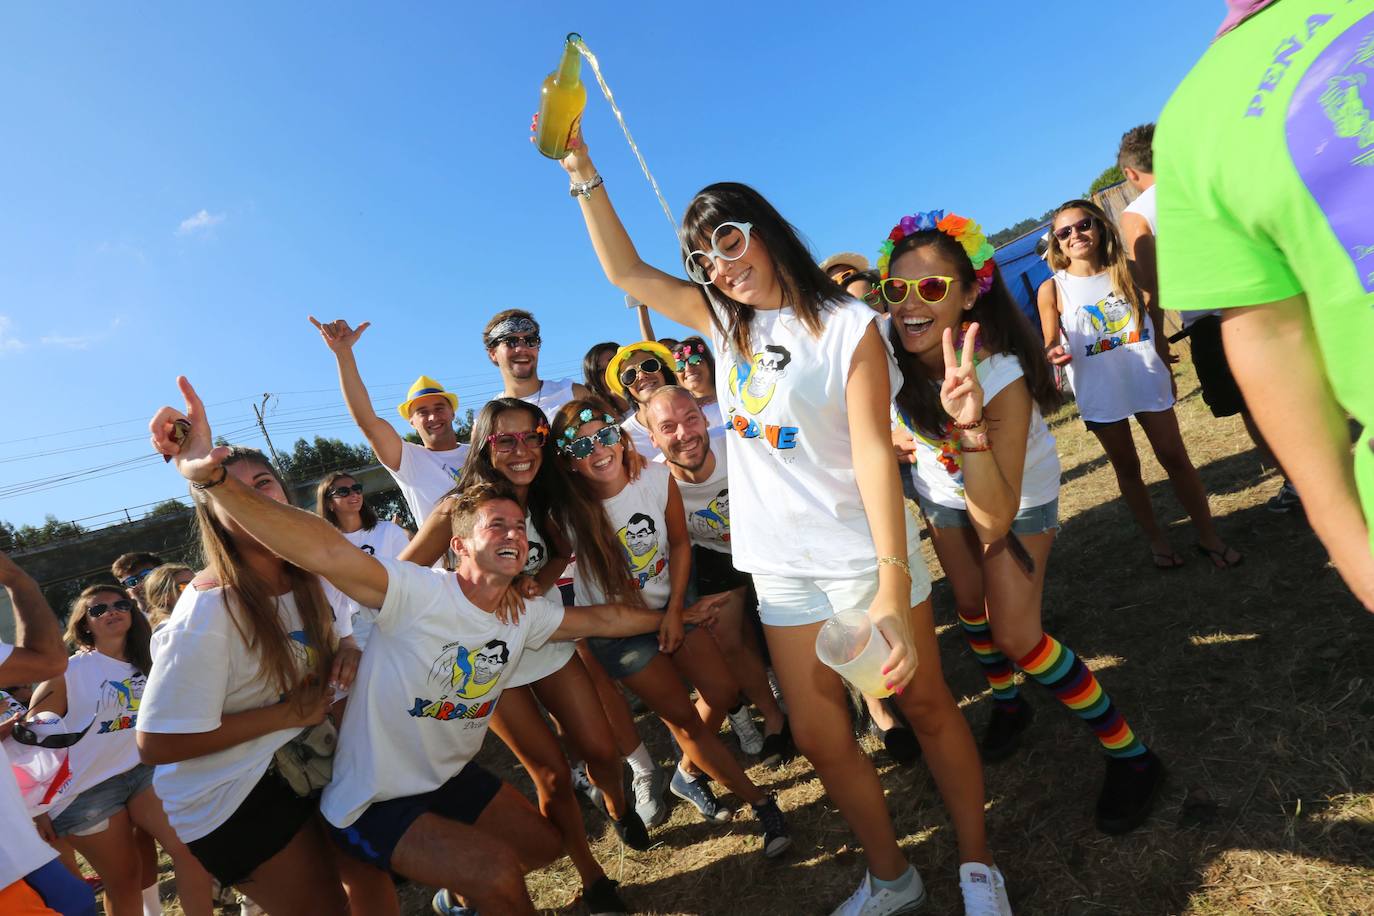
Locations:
69 343
8 342
200 222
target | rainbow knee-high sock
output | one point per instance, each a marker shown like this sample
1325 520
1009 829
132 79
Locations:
1056 666
996 666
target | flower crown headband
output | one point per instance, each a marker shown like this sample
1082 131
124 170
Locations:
687 349
570 432
960 228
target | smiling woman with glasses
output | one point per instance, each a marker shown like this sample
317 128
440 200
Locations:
636 371
111 791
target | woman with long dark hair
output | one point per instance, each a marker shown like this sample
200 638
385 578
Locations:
975 388
594 375
243 667
511 447
1096 326
696 371
633 549
806 389
111 792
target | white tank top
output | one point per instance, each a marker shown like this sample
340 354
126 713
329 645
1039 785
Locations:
110 691
1115 370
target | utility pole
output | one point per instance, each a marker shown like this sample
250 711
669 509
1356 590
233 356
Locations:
263 426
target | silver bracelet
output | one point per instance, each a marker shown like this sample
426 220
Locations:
585 188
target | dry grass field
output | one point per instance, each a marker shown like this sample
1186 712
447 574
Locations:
1255 686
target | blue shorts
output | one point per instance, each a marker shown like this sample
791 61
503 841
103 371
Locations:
372 838
1035 520
623 656
103 800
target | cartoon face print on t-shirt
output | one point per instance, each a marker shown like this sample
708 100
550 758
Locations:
1110 319
753 385
714 519
471 674
639 537
535 560
119 701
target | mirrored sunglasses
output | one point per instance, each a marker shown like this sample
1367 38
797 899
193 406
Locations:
583 446
131 581
931 290
696 359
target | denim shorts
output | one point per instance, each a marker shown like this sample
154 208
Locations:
103 800
1035 520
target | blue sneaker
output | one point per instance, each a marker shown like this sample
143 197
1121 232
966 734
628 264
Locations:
698 792
445 904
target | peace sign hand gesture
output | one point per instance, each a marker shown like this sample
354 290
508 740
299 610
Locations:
961 395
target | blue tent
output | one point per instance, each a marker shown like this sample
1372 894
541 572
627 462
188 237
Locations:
1023 270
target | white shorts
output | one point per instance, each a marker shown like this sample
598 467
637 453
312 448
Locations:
793 601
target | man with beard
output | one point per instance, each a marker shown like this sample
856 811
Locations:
696 460
512 341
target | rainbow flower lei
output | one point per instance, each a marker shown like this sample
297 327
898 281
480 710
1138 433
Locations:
960 228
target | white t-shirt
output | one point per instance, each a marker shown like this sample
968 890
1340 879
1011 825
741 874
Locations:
429 681
715 424
801 514
639 435
202 669
552 656
1145 206
552 394
107 693
426 476
637 515
385 541
707 504
940 466
23 850
1115 370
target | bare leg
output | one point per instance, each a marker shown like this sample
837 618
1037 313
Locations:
370 890
486 862
301 880
518 723
661 687
1166 440
114 855
1120 448
147 855
571 697
819 713
193 881
613 702
739 644
1014 599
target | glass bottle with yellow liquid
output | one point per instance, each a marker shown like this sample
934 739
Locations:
561 101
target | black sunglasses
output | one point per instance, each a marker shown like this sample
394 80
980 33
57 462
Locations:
628 376
96 611
341 492
528 341
1081 227
25 735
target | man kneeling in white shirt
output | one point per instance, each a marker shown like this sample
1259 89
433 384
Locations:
405 794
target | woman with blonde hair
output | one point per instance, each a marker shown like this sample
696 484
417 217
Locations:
244 666
112 792
162 588
1096 326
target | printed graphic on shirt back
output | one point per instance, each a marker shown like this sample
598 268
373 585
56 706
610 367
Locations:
1110 319
463 678
119 702
639 540
752 388
712 522
1330 129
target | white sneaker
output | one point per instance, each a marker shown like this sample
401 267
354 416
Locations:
648 792
865 901
746 732
984 890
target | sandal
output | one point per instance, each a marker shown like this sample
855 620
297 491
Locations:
1218 557
1171 560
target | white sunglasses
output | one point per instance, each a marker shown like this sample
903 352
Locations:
731 246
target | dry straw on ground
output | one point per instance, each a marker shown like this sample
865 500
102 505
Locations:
1255 685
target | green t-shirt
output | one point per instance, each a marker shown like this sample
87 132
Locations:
1264 164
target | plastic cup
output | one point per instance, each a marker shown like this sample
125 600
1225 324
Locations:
853 646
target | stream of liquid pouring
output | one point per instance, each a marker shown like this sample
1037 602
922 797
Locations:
586 52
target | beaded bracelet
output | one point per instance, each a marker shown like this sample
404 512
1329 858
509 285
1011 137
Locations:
974 425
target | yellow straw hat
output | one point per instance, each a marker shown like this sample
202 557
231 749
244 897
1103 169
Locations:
423 387
624 353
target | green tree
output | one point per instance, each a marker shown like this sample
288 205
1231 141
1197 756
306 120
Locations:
27 537
315 459
1108 178
168 507
1016 230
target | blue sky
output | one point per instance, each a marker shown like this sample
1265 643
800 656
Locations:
181 184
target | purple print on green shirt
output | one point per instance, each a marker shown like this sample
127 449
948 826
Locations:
1330 129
